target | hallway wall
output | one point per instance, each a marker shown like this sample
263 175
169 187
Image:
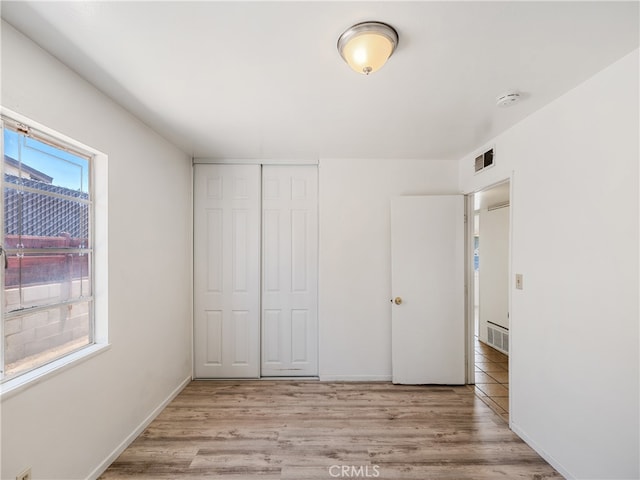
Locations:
574 327
494 269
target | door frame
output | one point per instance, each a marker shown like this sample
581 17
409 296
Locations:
470 279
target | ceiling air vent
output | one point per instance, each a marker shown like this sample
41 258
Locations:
484 161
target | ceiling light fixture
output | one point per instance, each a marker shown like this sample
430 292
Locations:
367 46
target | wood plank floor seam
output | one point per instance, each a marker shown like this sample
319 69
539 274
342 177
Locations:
313 430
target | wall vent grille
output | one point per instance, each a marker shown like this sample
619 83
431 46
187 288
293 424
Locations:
498 338
484 161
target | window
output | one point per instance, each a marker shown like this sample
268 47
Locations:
47 281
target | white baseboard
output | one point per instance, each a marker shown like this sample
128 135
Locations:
99 470
355 378
540 451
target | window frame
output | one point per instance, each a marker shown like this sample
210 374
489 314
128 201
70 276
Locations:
98 298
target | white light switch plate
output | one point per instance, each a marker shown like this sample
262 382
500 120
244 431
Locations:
519 281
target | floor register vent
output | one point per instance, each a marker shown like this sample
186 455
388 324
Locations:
498 337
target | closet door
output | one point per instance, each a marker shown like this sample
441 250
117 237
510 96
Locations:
227 271
290 271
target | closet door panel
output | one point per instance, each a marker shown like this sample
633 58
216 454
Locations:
290 271
227 271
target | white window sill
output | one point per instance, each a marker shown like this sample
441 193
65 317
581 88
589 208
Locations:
22 382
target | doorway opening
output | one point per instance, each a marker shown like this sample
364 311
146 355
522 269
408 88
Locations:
490 295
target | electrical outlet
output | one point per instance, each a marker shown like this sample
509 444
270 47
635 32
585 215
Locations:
25 475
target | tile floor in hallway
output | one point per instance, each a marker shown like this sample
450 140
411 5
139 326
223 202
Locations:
492 378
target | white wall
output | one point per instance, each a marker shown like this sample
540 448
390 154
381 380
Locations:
574 328
355 262
67 425
494 268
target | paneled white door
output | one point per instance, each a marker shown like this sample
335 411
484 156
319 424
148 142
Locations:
227 271
427 277
289 271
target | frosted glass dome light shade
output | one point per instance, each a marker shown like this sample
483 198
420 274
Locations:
367 46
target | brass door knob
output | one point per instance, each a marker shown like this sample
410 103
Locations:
397 300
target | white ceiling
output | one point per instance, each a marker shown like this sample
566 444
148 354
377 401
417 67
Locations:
264 80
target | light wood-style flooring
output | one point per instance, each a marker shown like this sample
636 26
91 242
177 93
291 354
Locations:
319 430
